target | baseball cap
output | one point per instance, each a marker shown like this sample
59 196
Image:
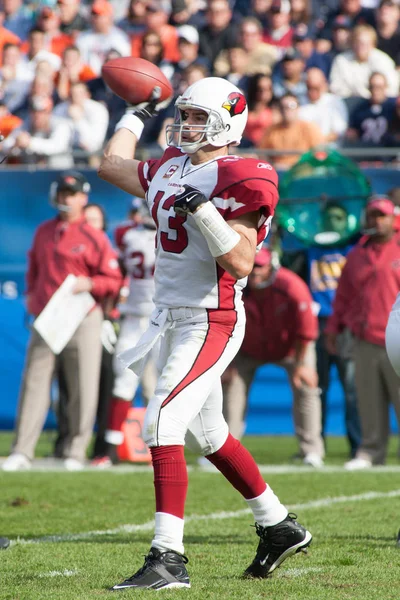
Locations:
188 33
47 12
263 257
302 32
388 3
382 204
342 22
292 54
280 6
102 7
73 181
178 6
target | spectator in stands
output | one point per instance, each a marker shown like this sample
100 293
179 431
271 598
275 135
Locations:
261 57
36 52
65 245
134 23
152 49
220 33
180 13
279 32
43 139
100 92
324 109
6 36
15 80
8 122
351 70
188 45
71 20
366 292
260 117
87 118
42 87
303 42
237 63
102 37
19 18
156 20
55 41
281 329
353 10
388 29
369 121
290 76
300 13
291 133
71 71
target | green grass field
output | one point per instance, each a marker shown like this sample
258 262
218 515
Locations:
76 534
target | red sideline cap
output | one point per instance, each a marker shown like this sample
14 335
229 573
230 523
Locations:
263 257
383 205
102 7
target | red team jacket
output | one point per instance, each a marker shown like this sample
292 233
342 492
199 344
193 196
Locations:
59 249
367 290
277 316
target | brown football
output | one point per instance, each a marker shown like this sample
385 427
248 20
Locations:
133 79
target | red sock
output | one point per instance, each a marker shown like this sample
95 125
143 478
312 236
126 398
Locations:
239 467
117 414
170 479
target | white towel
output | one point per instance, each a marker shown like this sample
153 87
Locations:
135 358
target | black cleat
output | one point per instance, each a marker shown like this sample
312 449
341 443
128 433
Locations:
161 570
398 540
276 544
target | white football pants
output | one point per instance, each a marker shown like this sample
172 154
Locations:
187 403
126 382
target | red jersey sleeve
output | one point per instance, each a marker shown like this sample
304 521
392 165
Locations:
147 169
246 185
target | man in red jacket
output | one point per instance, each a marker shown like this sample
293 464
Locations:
65 245
367 289
280 328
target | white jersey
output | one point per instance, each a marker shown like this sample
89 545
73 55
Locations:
136 252
186 273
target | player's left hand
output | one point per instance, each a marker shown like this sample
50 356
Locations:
188 200
303 375
82 284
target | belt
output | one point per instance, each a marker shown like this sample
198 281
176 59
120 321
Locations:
183 313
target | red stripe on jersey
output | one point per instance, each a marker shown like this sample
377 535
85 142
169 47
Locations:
142 178
226 289
221 325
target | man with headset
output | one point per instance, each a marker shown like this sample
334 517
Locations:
65 245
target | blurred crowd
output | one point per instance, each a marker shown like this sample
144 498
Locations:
313 72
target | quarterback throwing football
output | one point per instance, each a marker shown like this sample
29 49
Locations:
211 210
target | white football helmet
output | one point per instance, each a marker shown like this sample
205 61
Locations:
227 111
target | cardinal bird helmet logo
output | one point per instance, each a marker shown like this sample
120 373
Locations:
235 104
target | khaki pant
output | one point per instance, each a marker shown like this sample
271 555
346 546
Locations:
306 402
377 386
80 361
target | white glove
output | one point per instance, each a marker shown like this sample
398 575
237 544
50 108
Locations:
108 336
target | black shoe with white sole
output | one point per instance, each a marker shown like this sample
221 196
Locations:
276 544
161 570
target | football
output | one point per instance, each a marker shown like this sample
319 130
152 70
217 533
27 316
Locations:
133 79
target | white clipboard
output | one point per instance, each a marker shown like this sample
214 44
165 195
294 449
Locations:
63 314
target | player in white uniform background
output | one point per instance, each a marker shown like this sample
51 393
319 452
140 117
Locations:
136 247
211 210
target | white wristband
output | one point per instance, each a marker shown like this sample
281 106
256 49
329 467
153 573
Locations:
220 236
131 122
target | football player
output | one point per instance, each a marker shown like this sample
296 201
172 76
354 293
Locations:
135 240
212 209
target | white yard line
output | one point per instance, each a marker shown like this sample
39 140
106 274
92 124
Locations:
49 465
219 516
